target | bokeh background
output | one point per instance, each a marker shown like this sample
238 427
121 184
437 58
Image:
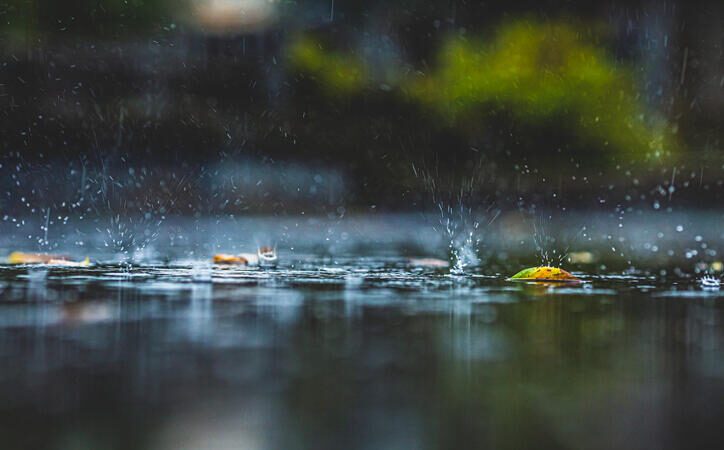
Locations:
371 142
235 106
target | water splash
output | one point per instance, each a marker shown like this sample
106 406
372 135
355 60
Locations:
710 283
462 216
462 236
549 247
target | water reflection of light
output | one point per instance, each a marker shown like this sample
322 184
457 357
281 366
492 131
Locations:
37 286
79 313
243 424
200 313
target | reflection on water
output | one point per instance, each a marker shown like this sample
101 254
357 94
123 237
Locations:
354 355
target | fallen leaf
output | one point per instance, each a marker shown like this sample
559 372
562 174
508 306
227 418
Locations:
544 273
223 258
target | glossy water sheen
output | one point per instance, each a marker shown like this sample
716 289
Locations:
354 355
355 352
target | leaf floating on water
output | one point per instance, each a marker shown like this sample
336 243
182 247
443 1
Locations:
68 263
544 273
223 258
44 258
264 257
29 258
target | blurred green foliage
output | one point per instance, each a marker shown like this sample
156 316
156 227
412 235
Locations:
539 74
340 73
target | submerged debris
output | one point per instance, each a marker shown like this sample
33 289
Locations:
544 273
44 258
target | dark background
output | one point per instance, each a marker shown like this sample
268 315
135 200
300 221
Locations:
148 104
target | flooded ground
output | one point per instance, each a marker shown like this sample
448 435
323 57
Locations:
349 343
